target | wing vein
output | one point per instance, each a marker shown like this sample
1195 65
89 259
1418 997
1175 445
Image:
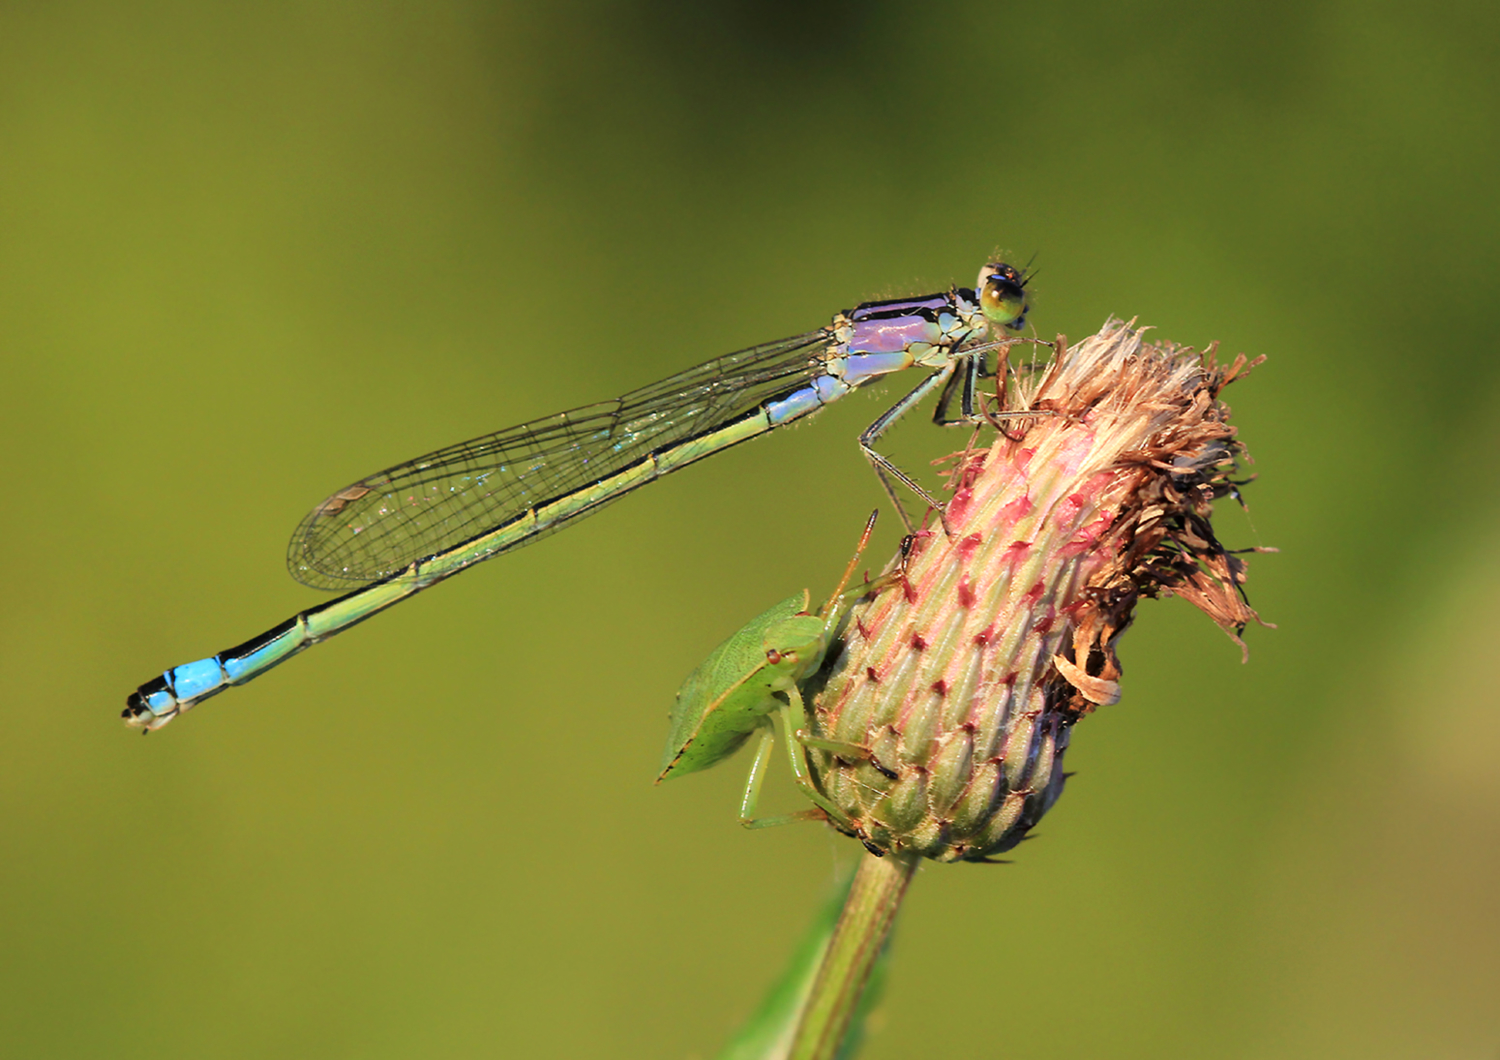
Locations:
375 528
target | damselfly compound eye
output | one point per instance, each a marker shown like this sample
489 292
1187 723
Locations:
1002 295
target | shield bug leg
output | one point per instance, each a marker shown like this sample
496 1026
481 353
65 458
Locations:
793 712
753 675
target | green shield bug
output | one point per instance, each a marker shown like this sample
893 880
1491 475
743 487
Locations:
749 679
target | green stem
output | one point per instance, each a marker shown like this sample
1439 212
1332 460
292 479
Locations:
865 923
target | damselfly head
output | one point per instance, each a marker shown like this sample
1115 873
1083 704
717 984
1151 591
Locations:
1002 295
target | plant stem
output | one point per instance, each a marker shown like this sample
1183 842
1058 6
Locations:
861 933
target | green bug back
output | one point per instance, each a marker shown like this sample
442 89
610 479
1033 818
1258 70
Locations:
723 701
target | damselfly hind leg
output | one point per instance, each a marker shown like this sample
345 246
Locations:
885 470
961 375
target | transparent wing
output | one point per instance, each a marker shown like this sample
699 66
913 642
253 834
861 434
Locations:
376 527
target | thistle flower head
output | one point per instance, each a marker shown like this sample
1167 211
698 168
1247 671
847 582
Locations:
964 676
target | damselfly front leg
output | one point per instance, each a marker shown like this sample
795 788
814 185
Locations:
969 378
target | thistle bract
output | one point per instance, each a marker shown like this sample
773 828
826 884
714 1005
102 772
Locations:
965 676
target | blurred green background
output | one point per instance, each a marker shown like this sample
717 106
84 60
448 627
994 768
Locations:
250 254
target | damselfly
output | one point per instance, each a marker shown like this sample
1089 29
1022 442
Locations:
397 532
